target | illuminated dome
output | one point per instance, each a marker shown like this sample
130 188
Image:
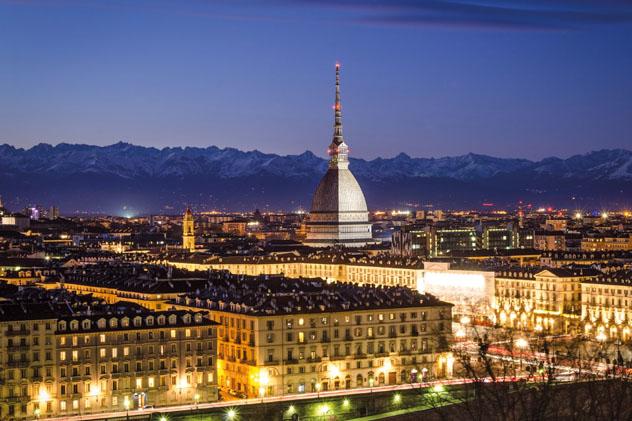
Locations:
338 191
339 215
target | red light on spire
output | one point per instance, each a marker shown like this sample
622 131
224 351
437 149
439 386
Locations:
337 65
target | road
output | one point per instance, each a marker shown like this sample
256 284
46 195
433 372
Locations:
273 399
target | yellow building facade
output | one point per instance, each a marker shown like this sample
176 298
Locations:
607 307
546 300
86 364
273 355
373 271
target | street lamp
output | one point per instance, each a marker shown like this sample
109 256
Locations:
317 390
231 414
522 344
126 406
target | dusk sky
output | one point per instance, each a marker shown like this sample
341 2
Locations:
528 79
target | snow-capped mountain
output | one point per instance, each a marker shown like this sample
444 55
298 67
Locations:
149 178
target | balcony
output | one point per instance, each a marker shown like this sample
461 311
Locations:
18 364
292 361
314 360
20 332
18 347
348 337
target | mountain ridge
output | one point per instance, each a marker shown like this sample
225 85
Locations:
148 177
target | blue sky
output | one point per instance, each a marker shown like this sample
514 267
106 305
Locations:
426 77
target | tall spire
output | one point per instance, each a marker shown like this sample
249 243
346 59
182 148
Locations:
338 149
337 140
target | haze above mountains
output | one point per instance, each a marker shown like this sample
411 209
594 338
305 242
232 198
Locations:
127 179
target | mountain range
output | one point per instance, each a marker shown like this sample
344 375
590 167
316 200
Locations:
125 178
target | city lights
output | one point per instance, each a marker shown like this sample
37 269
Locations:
334 371
475 252
397 398
231 414
438 388
43 395
324 409
522 343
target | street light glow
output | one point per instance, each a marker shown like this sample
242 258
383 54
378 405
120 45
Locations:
334 371
397 398
438 388
522 343
324 409
231 414
43 394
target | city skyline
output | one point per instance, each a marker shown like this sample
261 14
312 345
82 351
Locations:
434 78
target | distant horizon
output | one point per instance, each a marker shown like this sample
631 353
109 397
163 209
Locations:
321 155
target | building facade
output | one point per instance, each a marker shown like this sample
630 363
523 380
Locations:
381 270
94 363
540 300
323 339
607 307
